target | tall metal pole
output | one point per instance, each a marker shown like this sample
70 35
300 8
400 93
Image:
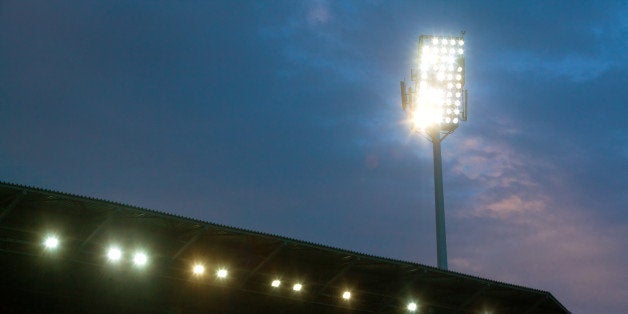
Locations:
439 201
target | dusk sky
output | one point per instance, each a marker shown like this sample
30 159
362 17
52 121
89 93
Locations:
284 117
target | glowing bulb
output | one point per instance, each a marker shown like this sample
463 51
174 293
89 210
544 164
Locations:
458 77
458 94
51 242
452 42
140 259
460 51
461 42
276 283
456 111
346 295
434 40
297 287
198 269
412 307
455 120
459 69
114 254
222 273
458 85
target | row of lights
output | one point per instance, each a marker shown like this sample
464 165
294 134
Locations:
199 270
114 253
447 41
140 259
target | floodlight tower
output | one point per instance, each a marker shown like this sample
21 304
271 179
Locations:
436 102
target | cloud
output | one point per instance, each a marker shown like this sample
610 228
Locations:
318 13
491 164
519 228
513 204
573 67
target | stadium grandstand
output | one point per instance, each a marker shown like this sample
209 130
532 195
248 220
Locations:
68 253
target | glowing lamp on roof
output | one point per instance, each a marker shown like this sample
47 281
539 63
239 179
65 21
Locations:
51 242
198 269
222 273
140 259
114 254
412 307
346 295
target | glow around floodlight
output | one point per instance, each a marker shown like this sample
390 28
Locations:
426 118
114 254
412 307
222 273
276 283
140 259
51 242
297 287
346 295
198 269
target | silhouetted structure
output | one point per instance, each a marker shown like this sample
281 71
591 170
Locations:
78 277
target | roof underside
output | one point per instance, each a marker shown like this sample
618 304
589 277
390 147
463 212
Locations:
78 277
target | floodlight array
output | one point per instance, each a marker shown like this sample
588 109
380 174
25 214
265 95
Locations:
437 99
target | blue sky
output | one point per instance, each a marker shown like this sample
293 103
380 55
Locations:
285 117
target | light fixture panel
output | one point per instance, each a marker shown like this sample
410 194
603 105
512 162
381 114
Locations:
437 98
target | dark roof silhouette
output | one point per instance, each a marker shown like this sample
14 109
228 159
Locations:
77 277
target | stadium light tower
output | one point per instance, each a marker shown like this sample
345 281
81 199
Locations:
436 102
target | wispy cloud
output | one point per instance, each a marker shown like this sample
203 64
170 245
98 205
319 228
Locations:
519 229
573 67
318 12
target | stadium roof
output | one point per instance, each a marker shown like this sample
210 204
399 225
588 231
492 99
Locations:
77 275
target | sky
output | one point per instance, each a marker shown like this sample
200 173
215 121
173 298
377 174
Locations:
284 117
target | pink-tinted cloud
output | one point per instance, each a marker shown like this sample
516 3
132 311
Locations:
519 229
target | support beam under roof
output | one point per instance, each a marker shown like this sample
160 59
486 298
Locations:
535 305
334 278
9 208
189 242
472 298
261 264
